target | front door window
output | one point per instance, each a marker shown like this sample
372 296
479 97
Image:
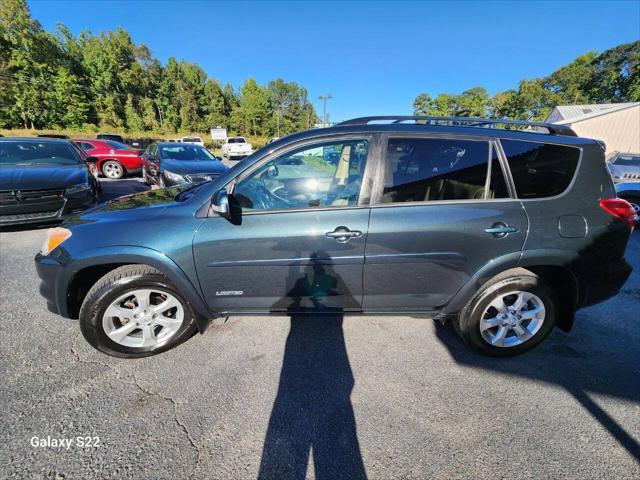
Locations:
319 176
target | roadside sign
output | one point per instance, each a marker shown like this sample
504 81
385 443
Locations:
218 133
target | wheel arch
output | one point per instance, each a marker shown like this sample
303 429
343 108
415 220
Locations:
96 263
559 269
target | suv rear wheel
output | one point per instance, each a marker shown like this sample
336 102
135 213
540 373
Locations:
508 316
134 311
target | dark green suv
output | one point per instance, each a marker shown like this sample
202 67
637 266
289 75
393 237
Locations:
503 231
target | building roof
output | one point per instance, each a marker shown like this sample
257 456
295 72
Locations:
567 114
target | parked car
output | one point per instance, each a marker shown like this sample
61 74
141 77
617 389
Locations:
503 232
90 161
42 180
631 193
194 140
625 167
236 147
111 136
114 159
168 164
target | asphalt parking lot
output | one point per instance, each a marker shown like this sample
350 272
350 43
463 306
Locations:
354 397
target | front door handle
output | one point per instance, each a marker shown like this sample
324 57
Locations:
343 234
501 230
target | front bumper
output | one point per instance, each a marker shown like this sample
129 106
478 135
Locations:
47 212
54 282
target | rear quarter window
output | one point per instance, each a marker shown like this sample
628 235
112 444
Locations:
539 169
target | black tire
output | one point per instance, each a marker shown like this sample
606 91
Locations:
145 178
109 288
118 170
634 201
468 322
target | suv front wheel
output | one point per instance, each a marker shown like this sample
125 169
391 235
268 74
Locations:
134 311
508 316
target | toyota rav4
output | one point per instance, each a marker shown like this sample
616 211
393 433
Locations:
503 228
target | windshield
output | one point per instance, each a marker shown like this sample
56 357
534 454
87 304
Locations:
185 152
32 153
118 145
628 160
237 140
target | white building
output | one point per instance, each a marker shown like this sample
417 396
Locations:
616 124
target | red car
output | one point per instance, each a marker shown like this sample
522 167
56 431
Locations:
115 159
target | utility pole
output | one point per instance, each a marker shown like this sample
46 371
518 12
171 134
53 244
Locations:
324 99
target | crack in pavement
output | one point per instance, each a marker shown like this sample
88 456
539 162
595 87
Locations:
134 381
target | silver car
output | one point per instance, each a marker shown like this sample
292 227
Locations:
625 167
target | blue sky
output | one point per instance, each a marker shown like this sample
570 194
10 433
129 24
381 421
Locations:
374 57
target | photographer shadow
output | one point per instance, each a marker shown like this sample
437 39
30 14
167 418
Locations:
312 415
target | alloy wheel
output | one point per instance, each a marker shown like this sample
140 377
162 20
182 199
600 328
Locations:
512 319
143 318
112 170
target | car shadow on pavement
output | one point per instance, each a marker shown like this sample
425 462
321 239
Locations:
312 413
580 367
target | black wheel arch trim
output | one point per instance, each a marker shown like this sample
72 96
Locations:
566 259
125 254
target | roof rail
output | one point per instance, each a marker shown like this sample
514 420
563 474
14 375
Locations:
552 128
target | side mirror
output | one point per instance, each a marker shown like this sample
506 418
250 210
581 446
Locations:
91 159
220 203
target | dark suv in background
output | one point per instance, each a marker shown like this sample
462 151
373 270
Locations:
505 232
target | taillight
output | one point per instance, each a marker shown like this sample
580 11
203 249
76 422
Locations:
620 209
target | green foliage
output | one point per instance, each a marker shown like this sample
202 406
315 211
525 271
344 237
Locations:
613 76
63 81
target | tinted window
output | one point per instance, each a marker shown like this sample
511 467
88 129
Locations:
33 153
429 169
118 145
323 175
627 160
236 140
185 152
191 139
539 169
85 146
497 184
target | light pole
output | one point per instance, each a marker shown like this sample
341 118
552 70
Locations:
324 99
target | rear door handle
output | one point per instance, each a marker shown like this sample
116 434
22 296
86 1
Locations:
501 230
343 234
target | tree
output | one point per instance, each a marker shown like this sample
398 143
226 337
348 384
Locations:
613 76
616 74
253 109
133 119
69 107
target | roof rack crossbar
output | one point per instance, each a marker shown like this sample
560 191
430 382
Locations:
552 128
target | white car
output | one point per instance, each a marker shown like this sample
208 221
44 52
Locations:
236 147
194 140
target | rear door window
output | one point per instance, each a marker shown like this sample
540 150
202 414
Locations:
433 169
539 169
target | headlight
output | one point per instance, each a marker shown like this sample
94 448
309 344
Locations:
80 187
55 236
174 177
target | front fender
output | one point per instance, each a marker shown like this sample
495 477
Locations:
129 254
